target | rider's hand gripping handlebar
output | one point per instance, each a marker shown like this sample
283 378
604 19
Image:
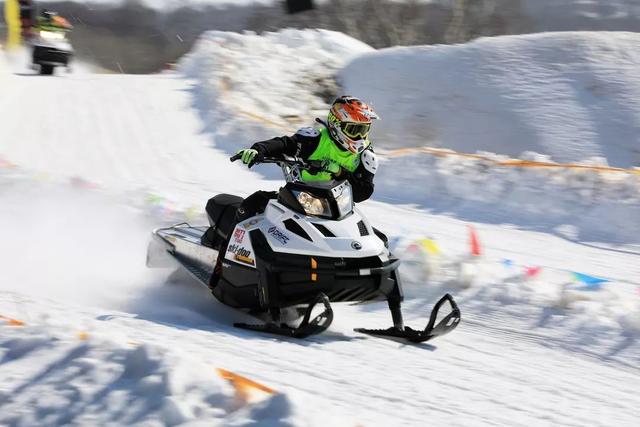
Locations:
311 166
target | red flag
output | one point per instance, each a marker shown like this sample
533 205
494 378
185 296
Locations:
532 271
474 242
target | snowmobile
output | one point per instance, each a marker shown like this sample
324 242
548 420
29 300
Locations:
310 247
50 49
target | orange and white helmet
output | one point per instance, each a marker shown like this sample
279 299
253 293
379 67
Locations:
349 123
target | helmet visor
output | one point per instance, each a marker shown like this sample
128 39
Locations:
356 130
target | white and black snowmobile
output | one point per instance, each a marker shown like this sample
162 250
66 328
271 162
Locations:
51 49
311 246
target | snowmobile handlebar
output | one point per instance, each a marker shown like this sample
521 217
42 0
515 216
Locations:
313 166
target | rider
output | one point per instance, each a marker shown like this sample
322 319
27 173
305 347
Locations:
50 21
343 145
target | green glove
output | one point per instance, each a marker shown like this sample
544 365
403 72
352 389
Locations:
248 156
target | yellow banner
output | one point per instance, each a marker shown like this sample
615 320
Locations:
12 18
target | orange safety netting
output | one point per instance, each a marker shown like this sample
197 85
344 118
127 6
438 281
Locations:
507 163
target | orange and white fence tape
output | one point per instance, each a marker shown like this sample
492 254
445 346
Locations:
439 152
11 322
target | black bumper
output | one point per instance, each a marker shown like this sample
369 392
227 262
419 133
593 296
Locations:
51 56
293 279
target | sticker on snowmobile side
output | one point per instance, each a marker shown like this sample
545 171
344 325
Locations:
244 259
251 223
238 235
240 249
240 254
278 235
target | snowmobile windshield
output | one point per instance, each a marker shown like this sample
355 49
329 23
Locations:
331 200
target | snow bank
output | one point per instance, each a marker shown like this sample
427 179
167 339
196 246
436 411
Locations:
572 96
64 380
60 375
595 206
568 95
602 317
251 86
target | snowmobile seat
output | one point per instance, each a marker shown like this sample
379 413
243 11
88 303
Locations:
221 212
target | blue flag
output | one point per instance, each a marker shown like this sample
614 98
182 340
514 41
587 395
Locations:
590 281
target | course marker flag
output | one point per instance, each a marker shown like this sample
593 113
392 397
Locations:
590 281
474 241
245 388
430 246
532 271
413 248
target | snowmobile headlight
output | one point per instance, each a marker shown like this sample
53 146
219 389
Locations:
313 205
345 201
50 35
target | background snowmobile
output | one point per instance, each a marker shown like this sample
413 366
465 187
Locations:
51 47
311 246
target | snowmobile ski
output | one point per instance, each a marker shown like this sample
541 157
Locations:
446 325
305 329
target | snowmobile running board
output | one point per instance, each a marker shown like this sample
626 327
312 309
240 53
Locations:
306 328
446 325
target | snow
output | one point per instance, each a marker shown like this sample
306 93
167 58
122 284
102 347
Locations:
229 91
137 382
567 202
107 342
268 76
544 92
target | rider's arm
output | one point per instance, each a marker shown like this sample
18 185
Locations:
361 179
302 144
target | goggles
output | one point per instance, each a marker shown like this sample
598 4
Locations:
355 130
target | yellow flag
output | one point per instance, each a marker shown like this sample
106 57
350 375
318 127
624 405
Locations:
12 18
430 246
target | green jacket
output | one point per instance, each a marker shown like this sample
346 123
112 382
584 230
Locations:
43 24
313 144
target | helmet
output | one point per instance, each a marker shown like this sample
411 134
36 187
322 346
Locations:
48 14
349 122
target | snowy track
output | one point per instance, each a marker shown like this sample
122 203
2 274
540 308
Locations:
477 376
135 134
122 132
